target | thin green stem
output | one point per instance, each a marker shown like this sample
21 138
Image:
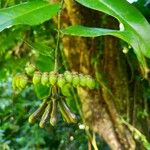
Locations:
58 37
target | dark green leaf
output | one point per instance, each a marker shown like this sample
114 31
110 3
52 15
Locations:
44 50
42 91
136 29
133 23
30 13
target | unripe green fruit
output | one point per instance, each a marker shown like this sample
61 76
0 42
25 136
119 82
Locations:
68 76
82 80
52 78
23 81
17 81
45 78
14 82
90 82
61 80
30 68
36 78
75 80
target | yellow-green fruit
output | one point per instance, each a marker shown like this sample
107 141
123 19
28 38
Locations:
67 115
60 80
17 81
75 80
68 76
14 82
36 78
90 82
23 81
52 78
45 116
53 117
30 68
45 78
82 80
38 112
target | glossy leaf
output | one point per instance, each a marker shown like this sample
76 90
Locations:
29 13
41 91
136 29
133 23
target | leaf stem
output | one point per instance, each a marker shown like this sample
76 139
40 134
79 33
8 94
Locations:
58 37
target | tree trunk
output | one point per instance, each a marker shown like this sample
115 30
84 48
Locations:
101 108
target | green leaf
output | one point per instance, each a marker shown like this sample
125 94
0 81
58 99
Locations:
133 23
43 49
29 13
136 29
42 91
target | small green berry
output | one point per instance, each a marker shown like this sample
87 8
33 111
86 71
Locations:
23 81
82 80
68 76
44 78
36 78
17 80
75 80
14 82
30 68
61 80
52 78
90 82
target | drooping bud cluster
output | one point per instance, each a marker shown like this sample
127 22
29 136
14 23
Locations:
48 110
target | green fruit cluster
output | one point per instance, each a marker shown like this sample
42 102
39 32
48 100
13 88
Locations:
48 110
53 78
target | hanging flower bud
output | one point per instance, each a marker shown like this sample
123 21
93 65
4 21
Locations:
38 112
53 116
36 78
67 115
52 78
82 80
23 81
90 82
61 80
68 76
46 115
44 78
75 80
30 68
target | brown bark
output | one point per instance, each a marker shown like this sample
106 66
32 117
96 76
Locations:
101 108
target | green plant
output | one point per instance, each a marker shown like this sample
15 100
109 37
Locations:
83 74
